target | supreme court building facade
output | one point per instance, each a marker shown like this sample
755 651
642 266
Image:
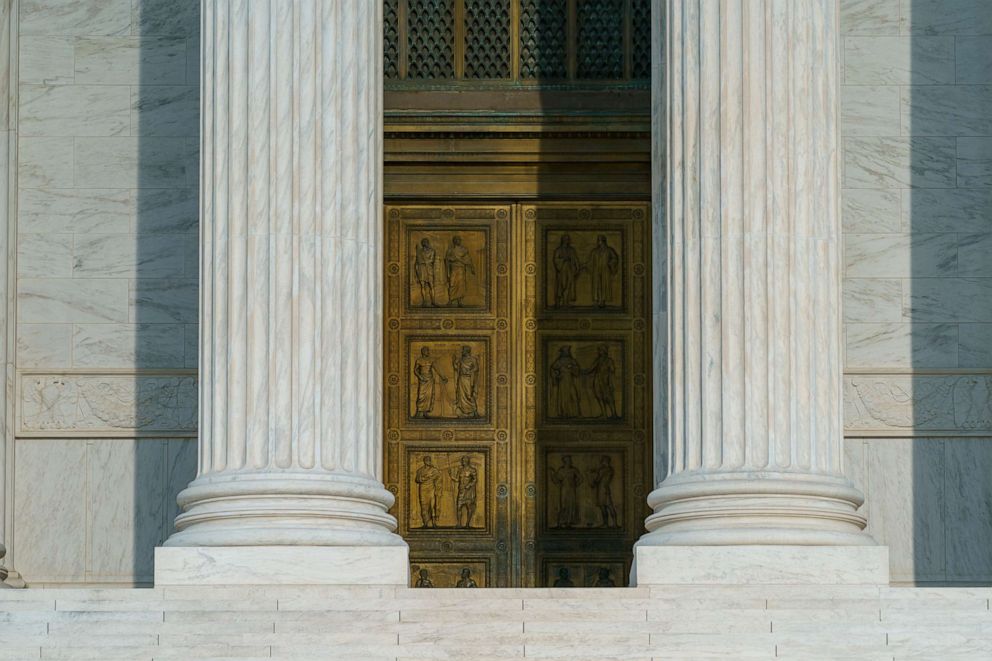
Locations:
497 293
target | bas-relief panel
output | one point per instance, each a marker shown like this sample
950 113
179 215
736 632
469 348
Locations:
448 490
906 403
449 379
468 573
586 490
449 268
585 380
583 269
52 404
603 574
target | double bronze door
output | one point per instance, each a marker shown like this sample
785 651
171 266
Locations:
518 390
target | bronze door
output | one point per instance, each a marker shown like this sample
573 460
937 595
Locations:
518 393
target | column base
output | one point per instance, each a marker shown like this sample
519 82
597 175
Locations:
760 565
282 565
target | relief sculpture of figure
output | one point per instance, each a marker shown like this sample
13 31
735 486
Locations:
603 579
603 264
568 478
458 263
466 367
466 581
423 268
602 483
565 373
429 483
602 382
426 374
425 580
564 579
466 476
567 268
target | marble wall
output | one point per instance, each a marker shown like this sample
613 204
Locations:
917 213
106 298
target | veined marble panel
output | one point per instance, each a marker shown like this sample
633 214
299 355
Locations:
872 300
110 404
974 162
129 345
132 162
900 255
907 505
74 110
165 211
969 509
74 210
945 300
947 210
900 345
192 345
45 162
165 110
974 251
43 345
92 17
44 255
974 59
941 110
880 60
873 110
951 17
129 256
46 60
869 17
66 300
130 60
166 18
164 301
888 403
975 345
871 211
900 162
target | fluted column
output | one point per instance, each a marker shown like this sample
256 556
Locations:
750 203
291 290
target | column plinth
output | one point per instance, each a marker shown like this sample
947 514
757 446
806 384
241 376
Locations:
290 452
746 114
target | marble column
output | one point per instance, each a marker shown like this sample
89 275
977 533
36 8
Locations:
288 488
746 111
7 234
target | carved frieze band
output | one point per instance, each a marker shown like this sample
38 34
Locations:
109 404
921 404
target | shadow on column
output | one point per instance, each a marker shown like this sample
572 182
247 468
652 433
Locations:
163 293
947 213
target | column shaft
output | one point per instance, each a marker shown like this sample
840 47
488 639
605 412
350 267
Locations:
754 334
291 325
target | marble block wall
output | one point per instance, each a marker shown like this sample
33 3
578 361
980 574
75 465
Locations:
106 298
917 213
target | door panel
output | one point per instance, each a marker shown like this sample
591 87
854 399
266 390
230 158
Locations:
518 390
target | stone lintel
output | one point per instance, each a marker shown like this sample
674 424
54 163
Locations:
760 565
282 565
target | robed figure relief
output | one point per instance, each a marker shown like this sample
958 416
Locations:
429 485
466 580
568 478
427 375
424 270
567 268
603 264
602 485
458 263
424 580
603 389
466 367
466 476
565 373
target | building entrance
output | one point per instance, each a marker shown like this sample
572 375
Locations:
518 399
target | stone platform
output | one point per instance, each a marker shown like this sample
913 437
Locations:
369 623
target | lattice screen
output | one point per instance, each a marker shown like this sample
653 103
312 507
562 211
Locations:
493 41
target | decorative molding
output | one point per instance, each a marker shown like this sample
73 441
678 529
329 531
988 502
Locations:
110 404
918 404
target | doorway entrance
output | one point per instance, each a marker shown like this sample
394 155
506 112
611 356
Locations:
518 399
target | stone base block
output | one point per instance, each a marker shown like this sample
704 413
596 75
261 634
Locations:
760 565
282 565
